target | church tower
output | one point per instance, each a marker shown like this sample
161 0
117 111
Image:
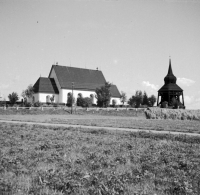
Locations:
170 91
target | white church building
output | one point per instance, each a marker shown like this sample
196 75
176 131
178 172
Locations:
60 80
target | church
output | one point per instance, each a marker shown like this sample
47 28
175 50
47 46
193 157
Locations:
61 81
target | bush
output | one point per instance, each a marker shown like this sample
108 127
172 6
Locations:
176 104
164 104
55 105
28 104
70 101
84 102
143 106
37 104
114 102
3 103
79 101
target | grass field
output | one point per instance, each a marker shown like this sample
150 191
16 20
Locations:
134 122
56 161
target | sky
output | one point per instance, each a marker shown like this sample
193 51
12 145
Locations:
130 41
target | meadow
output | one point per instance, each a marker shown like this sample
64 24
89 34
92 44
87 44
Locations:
56 161
51 160
134 121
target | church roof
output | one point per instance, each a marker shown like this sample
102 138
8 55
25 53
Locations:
170 78
170 81
45 85
114 91
170 87
83 79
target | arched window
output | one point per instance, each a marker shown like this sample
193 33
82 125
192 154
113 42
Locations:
80 95
69 97
79 99
47 99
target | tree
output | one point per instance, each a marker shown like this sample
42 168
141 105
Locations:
136 100
152 100
13 97
114 102
145 99
132 101
28 93
123 97
103 95
3 102
69 100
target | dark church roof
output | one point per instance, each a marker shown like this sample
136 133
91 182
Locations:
83 79
45 85
114 91
170 82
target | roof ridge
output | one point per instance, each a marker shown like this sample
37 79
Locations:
77 68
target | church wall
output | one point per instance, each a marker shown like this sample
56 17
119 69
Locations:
36 98
42 97
75 94
118 102
62 97
84 94
53 75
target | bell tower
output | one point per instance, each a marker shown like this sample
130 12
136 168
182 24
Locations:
170 91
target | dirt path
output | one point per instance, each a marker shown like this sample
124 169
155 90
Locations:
97 128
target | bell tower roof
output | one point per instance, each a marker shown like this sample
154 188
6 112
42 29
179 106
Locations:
170 78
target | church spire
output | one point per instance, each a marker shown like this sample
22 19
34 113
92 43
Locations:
170 67
170 78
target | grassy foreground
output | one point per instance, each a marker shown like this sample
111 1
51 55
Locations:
56 161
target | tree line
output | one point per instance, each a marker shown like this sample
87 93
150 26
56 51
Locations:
103 96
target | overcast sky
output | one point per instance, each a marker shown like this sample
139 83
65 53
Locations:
129 40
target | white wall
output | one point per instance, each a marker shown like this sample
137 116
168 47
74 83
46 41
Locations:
53 75
65 92
118 102
41 97
62 97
